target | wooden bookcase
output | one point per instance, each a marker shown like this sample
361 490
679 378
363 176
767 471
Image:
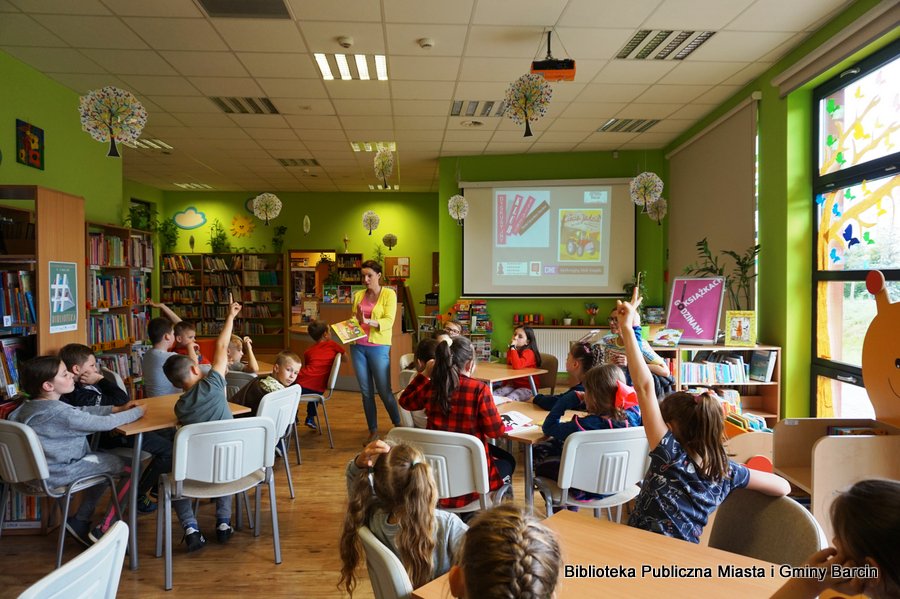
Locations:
198 287
349 267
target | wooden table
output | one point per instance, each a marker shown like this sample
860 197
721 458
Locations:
494 372
159 414
590 543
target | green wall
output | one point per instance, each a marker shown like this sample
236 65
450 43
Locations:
651 238
73 161
412 217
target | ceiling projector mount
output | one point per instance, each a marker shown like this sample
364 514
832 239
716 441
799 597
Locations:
554 69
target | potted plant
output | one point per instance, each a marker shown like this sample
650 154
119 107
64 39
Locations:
278 238
567 318
141 216
739 283
218 238
591 309
168 234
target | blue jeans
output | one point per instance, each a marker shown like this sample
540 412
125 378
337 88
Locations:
373 363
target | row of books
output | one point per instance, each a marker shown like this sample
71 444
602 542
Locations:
217 263
214 311
106 251
15 350
225 279
258 263
178 279
181 295
257 328
17 296
108 328
177 263
260 311
221 295
141 254
255 295
23 511
261 277
729 371
106 291
117 362
187 311
730 400
206 328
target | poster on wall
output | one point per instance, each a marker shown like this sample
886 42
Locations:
695 306
63 297
29 145
397 267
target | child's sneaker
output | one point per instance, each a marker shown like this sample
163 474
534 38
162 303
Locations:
145 505
311 423
96 534
80 530
194 539
224 532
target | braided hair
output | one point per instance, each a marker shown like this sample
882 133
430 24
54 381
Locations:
508 555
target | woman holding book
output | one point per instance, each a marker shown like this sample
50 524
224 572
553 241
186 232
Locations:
375 308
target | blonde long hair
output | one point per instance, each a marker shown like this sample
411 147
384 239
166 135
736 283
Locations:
401 485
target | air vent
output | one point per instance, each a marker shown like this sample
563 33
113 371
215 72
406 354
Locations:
663 44
198 186
244 105
383 188
245 9
298 161
373 146
479 108
627 125
150 144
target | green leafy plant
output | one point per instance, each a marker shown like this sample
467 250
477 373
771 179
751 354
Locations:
278 238
168 234
738 282
567 314
143 217
378 255
218 238
628 288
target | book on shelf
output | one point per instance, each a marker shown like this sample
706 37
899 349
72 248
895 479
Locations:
762 365
348 330
740 327
514 421
667 337
855 430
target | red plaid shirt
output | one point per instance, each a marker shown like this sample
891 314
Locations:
472 411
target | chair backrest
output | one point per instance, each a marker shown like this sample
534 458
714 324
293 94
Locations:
386 572
548 379
774 529
407 361
21 455
112 375
235 380
605 462
281 407
458 462
93 574
223 451
332 377
741 448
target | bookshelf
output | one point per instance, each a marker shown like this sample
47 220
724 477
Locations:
119 269
198 287
349 268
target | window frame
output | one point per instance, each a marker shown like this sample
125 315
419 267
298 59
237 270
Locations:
874 169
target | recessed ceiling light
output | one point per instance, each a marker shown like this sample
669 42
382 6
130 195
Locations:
371 146
359 68
192 185
471 124
362 67
381 67
343 66
324 67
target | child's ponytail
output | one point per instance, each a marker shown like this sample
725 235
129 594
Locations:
698 424
358 507
417 502
449 361
600 388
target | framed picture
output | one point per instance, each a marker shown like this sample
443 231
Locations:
396 267
695 306
740 327
29 145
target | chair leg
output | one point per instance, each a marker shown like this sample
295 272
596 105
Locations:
276 539
287 467
4 498
159 520
597 512
62 527
247 509
293 433
327 425
168 538
297 443
256 515
238 514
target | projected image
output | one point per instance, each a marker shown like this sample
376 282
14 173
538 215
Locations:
579 235
522 220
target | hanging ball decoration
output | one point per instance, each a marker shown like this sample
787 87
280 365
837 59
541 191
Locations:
370 220
384 164
306 225
458 208
112 114
646 188
266 206
526 100
657 210
389 240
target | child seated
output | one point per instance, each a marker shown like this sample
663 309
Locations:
578 362
317 361
237 350
203 400
161 332
491 564
424 354
185 337
391 490
284 372
61 429
522 353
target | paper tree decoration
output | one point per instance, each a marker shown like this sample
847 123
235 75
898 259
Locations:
384 164
266 206
370 220
526 100
390 240
458 208
306 225
646 188
112 114
657 210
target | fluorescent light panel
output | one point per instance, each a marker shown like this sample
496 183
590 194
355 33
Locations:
324 67
357 68
662 44
343 66
371 146
362 67
381 67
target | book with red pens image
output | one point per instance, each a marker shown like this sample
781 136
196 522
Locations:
501 219
523 214
514 214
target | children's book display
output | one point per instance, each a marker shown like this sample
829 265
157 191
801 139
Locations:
667 337
695 306
740 327
348 330
762 365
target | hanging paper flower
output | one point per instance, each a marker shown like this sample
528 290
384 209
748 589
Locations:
657 210
370 220
266 206
458 208
241 226
526 100
390 240
112 114
646 188
306 225
384 164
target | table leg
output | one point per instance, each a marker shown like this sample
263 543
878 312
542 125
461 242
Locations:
132 499
529 478
533 386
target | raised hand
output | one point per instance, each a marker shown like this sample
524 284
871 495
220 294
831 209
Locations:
234 309
370 453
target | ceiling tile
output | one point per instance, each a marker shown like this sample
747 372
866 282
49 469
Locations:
748 74
504 70
702 73
779 51
321 36
518 12
655 137
420 122
131 62
369 122
292 88
22 30
566 91
420 107
176 104
199 119
358 89
283 145
150 85
673 126
565 136
313 122
455 123
450 148
434 68
506 148
504 42
606 13
6 6
205 64
163 119
778 15
54 60
633 71
695 15
637 110
542 147
177 34
92 32
156 8
582 43
449 40
311 135
328 10
594 92
305 106
421 90
591 110
479 90
270 64
414 135
62 7
692 112
83 83
227 86
268 121
676 94
739 46
334 148
410 11
363 107
717 95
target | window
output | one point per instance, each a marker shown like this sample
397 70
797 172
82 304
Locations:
856 211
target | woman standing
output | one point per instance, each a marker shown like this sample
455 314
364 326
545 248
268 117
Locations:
375 309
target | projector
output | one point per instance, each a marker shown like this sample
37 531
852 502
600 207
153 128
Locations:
555 69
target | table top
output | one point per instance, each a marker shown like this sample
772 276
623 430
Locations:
160 414
492 372
537 414
594 544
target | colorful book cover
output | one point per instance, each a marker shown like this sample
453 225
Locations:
667 337
740 327
579 234
515 421
348 330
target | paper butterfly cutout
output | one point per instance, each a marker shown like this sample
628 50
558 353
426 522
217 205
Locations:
835 210
849 238
834 255
868 238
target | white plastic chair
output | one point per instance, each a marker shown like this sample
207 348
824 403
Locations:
281 407
406 361
93 574
114 376
213 459
23 468
774 529
458 464
386 573
605 462
235 380
321 399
